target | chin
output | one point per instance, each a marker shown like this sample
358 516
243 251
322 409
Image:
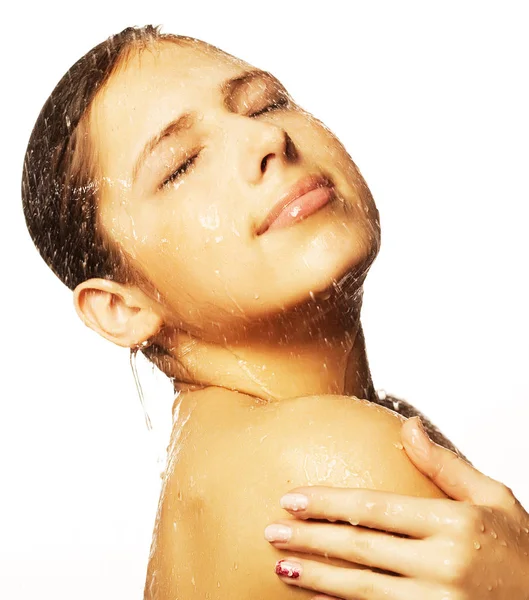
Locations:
295 286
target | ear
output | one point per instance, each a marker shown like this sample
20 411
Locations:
120 313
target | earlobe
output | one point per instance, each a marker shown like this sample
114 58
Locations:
122 314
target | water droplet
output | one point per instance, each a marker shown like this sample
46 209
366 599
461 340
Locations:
494 535
482 527
477 545
399 446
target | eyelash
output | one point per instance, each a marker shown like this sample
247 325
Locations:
280 103
180 171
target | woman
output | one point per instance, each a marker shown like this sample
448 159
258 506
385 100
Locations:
197 212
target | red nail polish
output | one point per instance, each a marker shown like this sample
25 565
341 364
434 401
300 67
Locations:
287 568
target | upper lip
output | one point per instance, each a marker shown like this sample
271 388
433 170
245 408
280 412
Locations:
301 187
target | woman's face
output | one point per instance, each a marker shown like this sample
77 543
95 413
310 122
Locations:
195 148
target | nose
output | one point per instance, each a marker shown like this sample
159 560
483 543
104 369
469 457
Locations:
264 147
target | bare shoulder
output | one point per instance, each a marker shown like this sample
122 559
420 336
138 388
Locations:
346 441
233 457
315 440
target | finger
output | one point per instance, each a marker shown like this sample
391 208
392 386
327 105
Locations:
354 584
354 544
450 472
395 513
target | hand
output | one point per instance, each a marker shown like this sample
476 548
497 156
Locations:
473 547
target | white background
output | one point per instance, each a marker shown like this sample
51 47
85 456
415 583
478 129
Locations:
431 101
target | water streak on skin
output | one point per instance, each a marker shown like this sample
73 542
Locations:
210 220
324 466
244 367
239 307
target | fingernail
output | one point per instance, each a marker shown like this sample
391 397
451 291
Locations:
294 502
278 533
420 441
288 568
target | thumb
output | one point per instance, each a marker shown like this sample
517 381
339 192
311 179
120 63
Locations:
451 473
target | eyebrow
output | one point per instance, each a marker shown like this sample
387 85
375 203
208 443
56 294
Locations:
227 89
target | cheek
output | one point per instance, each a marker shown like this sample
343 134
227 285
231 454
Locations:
323 147
196 258
348 177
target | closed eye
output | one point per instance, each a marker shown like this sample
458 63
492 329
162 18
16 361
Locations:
183 168
281 102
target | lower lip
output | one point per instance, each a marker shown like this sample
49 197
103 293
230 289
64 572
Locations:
303 207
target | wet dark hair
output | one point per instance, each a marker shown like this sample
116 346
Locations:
60 181
59 184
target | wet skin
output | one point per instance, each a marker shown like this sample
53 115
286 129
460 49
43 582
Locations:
233 459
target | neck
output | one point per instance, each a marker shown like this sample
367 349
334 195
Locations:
322 356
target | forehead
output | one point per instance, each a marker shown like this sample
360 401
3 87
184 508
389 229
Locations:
151 87
163 65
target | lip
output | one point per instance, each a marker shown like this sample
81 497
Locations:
300 188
